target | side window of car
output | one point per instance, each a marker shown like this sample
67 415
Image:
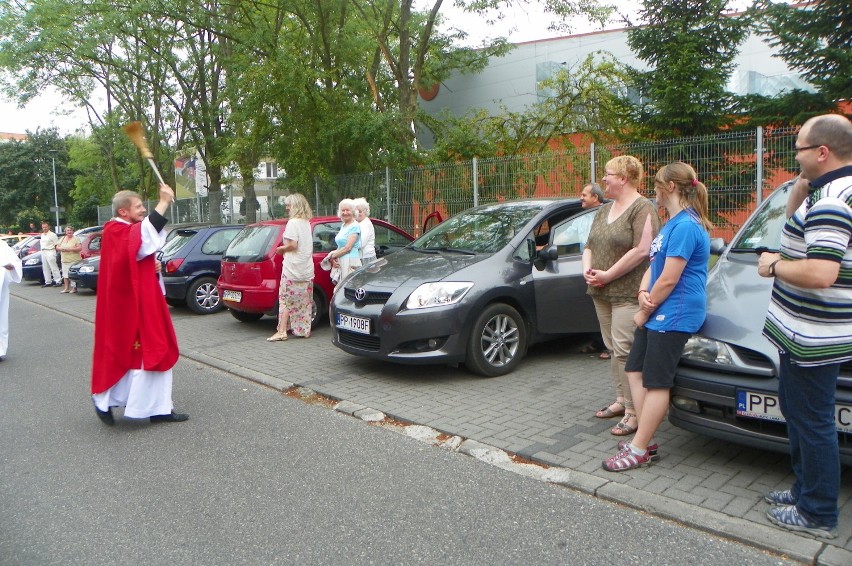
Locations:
95 243
385 237
571 236
323 236
218 242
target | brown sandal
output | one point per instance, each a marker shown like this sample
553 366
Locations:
622 428
608 413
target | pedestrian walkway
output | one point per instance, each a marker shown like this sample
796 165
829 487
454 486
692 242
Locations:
543 412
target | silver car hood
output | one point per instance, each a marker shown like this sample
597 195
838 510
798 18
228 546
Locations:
737 301
407 268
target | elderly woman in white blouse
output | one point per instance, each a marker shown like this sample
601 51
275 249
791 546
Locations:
367 250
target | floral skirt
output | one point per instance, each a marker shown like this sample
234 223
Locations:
296 299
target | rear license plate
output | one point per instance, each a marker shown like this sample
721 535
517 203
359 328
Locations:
235 296
354 323
766 407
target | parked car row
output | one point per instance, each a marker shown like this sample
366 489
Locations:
483 286
251 269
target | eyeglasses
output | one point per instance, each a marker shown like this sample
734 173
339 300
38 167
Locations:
807 147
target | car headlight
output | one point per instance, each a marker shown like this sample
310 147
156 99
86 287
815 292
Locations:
438 294
32 261
87 269
701 350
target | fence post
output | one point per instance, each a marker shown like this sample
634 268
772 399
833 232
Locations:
592 178
388 194
475 163
759 168
316 195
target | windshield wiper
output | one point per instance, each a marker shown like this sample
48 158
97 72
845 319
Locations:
451 250
758 250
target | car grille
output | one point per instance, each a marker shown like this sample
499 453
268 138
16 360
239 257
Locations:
360 341
371 297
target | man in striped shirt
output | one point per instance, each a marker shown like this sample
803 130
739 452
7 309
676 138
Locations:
810 321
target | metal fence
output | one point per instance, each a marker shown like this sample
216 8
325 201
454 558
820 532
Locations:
738 168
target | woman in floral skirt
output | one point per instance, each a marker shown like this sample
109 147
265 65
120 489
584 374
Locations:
296 290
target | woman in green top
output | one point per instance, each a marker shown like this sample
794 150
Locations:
614 260
69 248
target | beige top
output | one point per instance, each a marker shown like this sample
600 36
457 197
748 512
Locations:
609 241
69 257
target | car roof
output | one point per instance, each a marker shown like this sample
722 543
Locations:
282 221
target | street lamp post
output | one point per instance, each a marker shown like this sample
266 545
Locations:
55 197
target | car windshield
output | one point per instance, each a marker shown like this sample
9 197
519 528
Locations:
479 230
763 232
251 244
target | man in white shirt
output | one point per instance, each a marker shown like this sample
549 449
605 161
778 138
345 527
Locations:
49 267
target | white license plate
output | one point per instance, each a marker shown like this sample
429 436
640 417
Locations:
235 296
357 324
766 407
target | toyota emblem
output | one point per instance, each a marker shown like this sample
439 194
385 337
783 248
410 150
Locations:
360 294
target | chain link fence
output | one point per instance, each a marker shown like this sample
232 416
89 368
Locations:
738 168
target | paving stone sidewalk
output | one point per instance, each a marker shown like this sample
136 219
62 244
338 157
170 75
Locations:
544 411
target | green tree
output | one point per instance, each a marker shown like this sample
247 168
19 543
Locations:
27 177
689 47
815 40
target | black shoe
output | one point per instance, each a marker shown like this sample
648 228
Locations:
173 417
105 416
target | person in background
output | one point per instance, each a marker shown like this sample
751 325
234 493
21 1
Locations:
296 289
69 247
367 248
346 257
48 257
614 260
592 196
810 321
10 272
672 306
135 344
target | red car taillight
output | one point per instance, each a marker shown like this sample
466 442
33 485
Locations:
173 264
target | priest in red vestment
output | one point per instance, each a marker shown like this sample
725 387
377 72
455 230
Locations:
135 343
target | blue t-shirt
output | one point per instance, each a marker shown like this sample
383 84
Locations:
343 237
685 308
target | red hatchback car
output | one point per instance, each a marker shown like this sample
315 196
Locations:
251 269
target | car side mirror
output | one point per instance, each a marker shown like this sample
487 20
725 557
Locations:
543 256
717 246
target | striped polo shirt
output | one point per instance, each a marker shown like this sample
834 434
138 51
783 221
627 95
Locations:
815 325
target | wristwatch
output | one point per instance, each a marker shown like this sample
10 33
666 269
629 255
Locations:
772 268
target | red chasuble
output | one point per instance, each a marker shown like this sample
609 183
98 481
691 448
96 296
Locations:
133 328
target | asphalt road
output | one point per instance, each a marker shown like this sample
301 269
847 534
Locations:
256 477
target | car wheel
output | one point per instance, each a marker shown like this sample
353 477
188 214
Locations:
498 341
318 309
203 296
246 316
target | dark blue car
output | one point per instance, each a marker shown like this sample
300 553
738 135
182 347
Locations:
192 261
